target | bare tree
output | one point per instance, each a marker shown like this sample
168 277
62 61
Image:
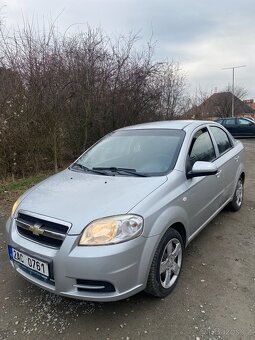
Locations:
173 84
240 92
60 93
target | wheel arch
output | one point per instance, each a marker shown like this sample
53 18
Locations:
179 227
152 283
149 254
243 176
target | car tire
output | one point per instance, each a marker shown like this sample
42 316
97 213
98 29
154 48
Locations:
237 200
166 265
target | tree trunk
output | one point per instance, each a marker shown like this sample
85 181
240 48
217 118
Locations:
55 151
85 136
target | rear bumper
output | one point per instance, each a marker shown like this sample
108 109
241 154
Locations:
123 266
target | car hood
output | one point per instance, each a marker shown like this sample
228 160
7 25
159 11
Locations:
80 198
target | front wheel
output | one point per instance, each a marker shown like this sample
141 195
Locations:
237 201
166 265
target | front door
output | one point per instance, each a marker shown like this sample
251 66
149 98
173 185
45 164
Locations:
245 127
203 192
227 163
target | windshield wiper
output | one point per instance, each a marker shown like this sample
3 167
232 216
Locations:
121 171
84 168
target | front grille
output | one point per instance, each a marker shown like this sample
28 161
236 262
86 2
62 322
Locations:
94 286
48 233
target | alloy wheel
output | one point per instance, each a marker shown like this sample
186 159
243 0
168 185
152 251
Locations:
239 193
170 263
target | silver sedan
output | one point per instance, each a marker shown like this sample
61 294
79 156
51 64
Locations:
117 221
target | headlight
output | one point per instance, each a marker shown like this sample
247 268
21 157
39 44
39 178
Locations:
15 206
111 230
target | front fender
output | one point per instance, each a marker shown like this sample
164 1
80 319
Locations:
164 221
168 217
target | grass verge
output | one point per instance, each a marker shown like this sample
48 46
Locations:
10 191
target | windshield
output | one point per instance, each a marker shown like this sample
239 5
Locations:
150 152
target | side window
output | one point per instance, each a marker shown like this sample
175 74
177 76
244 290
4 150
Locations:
242 121
231 121
221 138
201 148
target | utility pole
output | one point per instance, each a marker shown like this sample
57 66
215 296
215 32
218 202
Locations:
233 85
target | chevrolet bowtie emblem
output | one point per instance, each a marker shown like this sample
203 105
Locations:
36 229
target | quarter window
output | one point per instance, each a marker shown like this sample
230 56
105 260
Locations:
221 138
201 148
242 121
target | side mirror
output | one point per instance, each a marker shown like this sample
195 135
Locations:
200 169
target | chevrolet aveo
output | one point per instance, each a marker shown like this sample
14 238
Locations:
117 221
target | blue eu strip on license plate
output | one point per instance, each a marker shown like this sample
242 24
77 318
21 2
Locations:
10 252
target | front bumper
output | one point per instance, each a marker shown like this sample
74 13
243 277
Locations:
124 266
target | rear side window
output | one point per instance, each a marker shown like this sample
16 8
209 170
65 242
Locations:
221 138
231 121
201 148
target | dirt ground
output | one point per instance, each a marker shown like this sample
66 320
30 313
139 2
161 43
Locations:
214 298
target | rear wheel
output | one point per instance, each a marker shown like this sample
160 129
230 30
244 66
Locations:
166 265
237 201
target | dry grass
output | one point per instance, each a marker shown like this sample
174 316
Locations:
10 191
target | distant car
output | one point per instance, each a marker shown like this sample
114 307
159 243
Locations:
238 127
117 220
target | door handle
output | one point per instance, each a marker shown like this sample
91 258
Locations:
236 158
218 173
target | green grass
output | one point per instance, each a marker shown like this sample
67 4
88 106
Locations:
22 184
11 190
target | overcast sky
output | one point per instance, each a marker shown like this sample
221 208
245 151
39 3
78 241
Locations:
203 36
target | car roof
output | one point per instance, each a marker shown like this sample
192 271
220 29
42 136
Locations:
235 118
167 124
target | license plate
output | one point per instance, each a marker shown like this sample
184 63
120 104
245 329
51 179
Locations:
29 261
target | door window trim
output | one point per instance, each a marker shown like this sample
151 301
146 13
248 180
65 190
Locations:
216 151
215 142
